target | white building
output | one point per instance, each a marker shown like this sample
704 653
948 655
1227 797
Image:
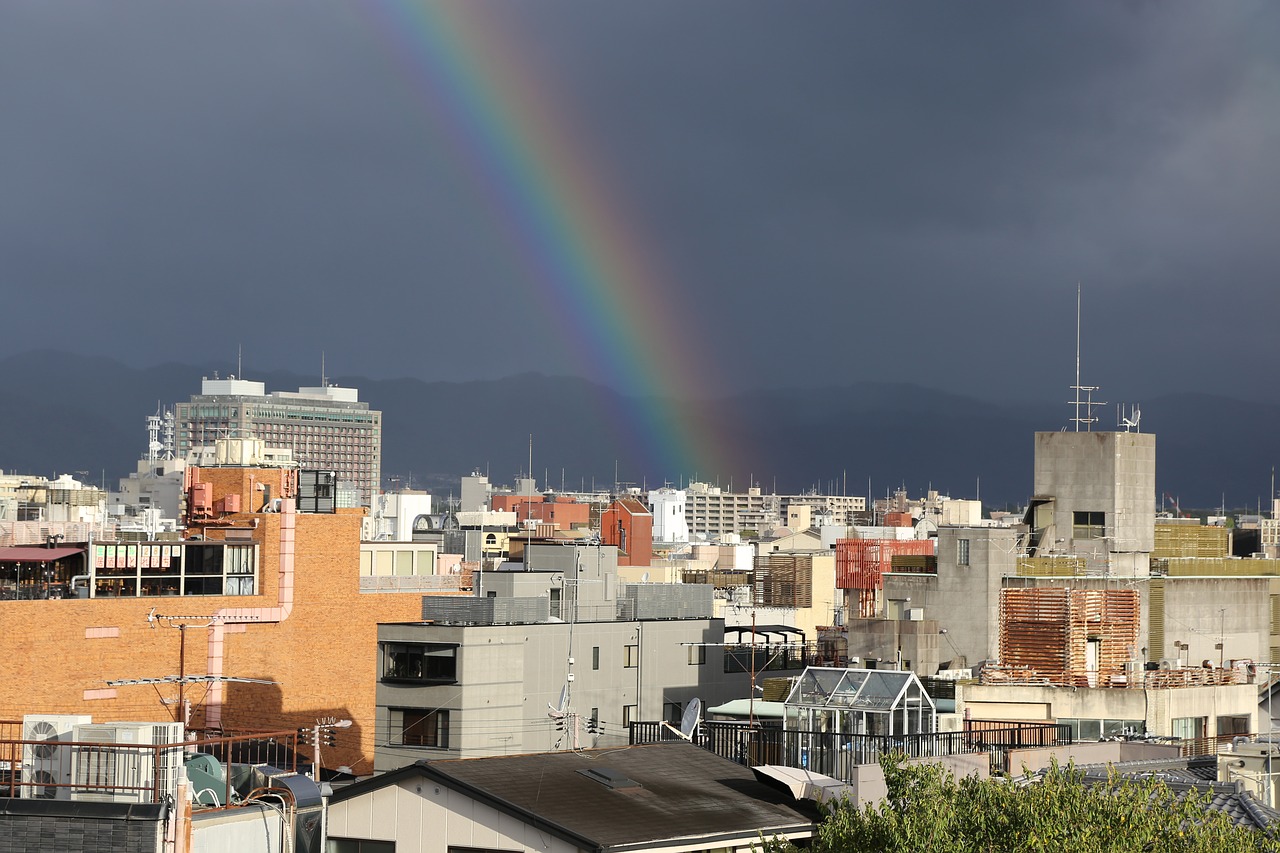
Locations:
669 523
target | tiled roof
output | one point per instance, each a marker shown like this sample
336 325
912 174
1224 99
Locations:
1197 773
681 791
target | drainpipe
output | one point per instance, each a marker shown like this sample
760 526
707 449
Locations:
255 615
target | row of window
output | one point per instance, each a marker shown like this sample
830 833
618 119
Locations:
437 663
430 728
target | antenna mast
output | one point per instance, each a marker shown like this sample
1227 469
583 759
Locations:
1088 420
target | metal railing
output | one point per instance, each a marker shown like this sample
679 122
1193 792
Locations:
772 658
836 754
127 772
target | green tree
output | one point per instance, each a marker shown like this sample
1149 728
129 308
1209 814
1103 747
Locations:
927 808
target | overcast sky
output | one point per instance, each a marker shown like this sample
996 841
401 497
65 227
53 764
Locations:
827 191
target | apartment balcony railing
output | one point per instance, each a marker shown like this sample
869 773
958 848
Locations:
130 772
774 658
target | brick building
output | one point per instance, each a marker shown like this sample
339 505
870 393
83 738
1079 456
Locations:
304 626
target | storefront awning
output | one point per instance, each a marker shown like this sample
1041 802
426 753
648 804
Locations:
35 554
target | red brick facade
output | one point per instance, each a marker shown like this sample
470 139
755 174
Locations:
320 650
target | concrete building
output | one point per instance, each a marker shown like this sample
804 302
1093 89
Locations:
670 524
543 653
712 513
1094 498
326 428
398 515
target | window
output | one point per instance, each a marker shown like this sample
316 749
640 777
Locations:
359 845
630 656
555 603
595 657
1087 730
697 655
423 728
672 712
1088 525
628 715
430 663
962 552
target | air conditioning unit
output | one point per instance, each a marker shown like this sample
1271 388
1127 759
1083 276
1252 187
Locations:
1170 663
45 766
108 767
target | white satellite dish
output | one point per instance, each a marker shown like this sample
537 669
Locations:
689 720
558 710
644 578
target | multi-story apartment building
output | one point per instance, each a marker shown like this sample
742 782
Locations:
562 652
711 513
260 619
326 428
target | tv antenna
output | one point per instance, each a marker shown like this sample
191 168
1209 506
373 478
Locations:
1088 419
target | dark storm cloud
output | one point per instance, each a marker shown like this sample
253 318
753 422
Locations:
905 191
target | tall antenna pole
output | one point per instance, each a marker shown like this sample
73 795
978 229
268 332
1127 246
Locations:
1077 356
1088 420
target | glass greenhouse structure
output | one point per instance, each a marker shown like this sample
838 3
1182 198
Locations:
838 715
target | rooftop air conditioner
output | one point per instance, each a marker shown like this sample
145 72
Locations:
48 765
1170 663
108 765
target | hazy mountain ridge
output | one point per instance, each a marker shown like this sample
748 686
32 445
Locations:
69 413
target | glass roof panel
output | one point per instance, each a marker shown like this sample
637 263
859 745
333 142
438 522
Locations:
866 689
881 689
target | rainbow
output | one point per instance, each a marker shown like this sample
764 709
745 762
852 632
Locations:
603 283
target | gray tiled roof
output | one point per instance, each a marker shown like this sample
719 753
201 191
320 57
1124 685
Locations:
682 792
1197 773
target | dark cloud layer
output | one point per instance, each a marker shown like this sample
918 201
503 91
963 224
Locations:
839 190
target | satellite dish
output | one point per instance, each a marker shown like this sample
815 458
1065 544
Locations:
644 578
689 721
692 716
558 710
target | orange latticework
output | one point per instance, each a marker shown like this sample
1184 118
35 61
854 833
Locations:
861 564
1047 632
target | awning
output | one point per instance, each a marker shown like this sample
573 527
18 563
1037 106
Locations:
804 784
744 708
34 554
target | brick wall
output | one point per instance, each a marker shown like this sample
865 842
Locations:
54 655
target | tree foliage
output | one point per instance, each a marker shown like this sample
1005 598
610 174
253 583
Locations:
927 808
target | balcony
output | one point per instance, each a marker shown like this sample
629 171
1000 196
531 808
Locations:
220 769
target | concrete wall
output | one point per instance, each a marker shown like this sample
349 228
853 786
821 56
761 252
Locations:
963 599
1109 472
1202 612
1158 708
509 674
1098 752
